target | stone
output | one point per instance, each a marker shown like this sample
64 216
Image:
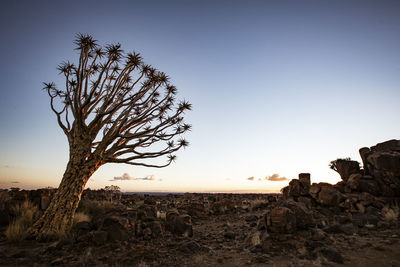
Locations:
307 201
329 196
99 237
360 219
369 186
251 218
354 181
305 179
116 228
156 228
337 228
332 254
303 216
314 190
281 220
383 164
179 224
294 188
229 235
366 198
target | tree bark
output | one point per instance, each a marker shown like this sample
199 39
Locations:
58 217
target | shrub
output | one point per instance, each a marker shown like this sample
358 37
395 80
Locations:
332 164
25 214
4 198
81 217
391 215
94 208
15 231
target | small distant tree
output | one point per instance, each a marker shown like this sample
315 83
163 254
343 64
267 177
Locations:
113 108
345 167
333 163
112 190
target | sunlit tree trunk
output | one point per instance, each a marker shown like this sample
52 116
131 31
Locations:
58 217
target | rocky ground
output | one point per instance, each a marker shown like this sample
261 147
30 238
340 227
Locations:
352 223
233 231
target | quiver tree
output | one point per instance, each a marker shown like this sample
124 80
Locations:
113 109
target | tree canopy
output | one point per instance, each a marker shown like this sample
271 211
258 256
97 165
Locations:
126 109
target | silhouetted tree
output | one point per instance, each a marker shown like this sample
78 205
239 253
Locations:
113 109
112 190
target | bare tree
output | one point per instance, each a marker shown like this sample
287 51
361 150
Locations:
113 190
113 109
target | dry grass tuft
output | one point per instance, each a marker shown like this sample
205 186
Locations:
94 208
391 214
25 214
81 217
4 198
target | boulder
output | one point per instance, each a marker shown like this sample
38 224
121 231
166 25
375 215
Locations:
360 219
281 220
179 224
314 190
354 181
305 179
327 194
99 237
366 198
117 228
369 186
297 187
382 162
304 217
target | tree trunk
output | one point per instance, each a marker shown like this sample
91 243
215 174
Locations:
58 217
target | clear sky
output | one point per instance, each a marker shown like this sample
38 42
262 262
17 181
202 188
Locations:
277 87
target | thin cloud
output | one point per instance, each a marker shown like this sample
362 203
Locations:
251 178
127 177
276 178
15 182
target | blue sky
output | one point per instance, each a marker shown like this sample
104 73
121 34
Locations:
277 86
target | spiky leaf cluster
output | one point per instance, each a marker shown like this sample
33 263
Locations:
126 109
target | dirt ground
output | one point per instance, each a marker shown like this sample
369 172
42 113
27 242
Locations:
218 240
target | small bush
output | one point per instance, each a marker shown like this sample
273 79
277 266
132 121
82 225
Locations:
4 198
25 215
332 164
391 215
81 217
94 208
15 231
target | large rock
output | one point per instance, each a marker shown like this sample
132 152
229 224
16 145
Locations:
304 217
354 181
281 220
117 228
329 196
382 162
305 179
179 224
325 194
298 187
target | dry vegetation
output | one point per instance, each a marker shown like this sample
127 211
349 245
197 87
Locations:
93 208
81 217
25 214
391 214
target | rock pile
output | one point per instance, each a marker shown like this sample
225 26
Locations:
360 198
